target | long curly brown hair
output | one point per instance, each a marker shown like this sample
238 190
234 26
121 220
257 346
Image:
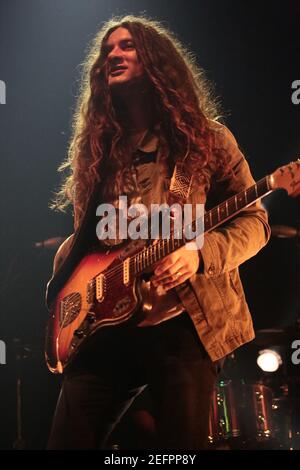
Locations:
183 105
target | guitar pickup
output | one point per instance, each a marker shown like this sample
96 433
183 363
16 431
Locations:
100 287
126 271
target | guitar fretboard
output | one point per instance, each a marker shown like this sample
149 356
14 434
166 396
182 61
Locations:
211 219
235 204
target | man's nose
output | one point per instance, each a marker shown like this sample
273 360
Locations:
115 54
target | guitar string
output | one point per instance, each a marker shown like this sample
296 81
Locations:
143 259
111 273
112 277
113 280
140 258
213 212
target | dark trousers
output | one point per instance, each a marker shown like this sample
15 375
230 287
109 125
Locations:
117 365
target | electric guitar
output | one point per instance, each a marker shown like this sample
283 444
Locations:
105 287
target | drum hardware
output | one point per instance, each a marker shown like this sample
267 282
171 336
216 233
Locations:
261 411
241 416
224 422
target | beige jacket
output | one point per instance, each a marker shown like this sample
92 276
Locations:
214 297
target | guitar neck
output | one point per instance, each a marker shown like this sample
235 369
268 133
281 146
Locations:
232 206
157 250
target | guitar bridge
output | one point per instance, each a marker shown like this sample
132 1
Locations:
90 294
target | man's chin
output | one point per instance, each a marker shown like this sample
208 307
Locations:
116 82
126 85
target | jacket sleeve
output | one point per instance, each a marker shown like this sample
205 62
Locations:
228 246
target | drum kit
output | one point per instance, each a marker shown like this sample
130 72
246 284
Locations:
260 414
249 411
260 409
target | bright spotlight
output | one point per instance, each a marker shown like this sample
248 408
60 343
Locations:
269 360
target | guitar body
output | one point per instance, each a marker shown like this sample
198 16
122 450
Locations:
93 297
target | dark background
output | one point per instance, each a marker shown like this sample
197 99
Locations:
250 52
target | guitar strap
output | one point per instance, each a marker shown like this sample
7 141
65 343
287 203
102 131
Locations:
180 185
179 191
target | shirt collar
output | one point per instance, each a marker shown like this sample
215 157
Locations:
149 142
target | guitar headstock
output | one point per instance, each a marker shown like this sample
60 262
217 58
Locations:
287 177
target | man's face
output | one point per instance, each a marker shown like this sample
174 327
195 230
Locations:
123 63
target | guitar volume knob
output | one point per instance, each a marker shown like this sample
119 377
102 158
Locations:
91 317
79 333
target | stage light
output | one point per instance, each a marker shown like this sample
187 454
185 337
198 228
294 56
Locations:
269 360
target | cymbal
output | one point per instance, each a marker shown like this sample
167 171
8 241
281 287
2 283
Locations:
277 336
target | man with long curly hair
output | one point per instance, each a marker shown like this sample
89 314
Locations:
145 107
